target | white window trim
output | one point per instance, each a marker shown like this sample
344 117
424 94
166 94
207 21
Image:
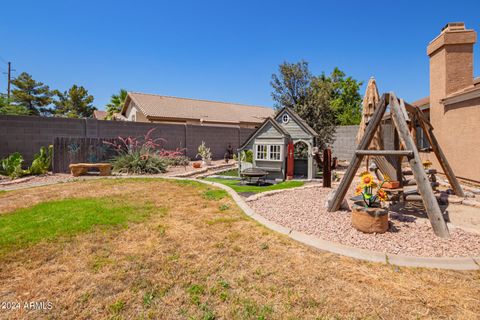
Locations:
268 158
283 117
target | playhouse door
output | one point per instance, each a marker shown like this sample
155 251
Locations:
290 160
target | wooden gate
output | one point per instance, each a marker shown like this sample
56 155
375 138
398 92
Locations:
67 150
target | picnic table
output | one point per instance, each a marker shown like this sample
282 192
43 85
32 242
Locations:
252 173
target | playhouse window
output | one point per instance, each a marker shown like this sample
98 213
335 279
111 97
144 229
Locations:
274 153
261 152
268 152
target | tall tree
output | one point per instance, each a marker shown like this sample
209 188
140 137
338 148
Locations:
309 96
346 99
291 85
74 103
116 104
8 109
30 94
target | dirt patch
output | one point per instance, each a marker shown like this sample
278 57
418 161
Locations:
204 259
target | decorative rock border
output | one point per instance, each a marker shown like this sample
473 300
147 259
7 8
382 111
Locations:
463 263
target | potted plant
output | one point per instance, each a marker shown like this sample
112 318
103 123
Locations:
368 215
205 154
196 165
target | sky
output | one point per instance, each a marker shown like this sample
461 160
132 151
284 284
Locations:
223 50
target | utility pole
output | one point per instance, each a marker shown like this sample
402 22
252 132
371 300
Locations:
9 79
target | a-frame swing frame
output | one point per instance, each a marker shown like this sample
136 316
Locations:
400 112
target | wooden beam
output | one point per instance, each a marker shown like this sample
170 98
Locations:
457 189
430 202
400 153
357 159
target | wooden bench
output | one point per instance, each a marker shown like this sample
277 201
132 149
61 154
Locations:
78 169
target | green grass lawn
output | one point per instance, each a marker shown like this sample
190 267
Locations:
234 184
54 219
229 173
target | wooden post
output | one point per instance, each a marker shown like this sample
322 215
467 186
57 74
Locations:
327 168
457 189
431 205
357 159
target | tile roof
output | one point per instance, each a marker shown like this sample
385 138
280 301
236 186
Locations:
166 107
99 114
421 102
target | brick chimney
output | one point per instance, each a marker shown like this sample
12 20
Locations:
451 60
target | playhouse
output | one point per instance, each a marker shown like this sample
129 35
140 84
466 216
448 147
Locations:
283 146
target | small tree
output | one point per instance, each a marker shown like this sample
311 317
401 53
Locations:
322 101
30 94
346 99
74 103
295 87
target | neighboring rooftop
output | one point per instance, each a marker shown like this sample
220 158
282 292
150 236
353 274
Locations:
421 102
156 107
99 114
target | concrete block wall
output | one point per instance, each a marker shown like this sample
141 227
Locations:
26 134
344 145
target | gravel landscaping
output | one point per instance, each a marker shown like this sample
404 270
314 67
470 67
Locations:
303 210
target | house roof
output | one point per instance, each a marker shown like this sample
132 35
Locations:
99 114
422 102
470 92
274 123
166 107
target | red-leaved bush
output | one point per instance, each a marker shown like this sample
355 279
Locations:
145 154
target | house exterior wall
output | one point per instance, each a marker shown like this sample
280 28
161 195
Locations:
133 113
456 126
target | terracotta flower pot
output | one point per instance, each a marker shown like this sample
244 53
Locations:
369 220
196 165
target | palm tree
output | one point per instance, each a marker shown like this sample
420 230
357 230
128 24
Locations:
116 103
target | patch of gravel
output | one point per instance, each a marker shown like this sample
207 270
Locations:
303 210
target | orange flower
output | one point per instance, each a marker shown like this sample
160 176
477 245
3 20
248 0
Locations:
358 190
382 195
367 180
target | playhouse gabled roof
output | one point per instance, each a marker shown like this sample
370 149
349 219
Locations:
298 120
274 124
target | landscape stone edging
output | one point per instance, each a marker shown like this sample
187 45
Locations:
450 263
461 263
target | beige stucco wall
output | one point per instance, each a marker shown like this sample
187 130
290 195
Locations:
134 114
456 126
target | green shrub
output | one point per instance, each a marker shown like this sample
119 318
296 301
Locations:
12 166
177 161
42 161
138 163
246 156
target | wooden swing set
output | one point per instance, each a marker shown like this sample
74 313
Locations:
404 117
